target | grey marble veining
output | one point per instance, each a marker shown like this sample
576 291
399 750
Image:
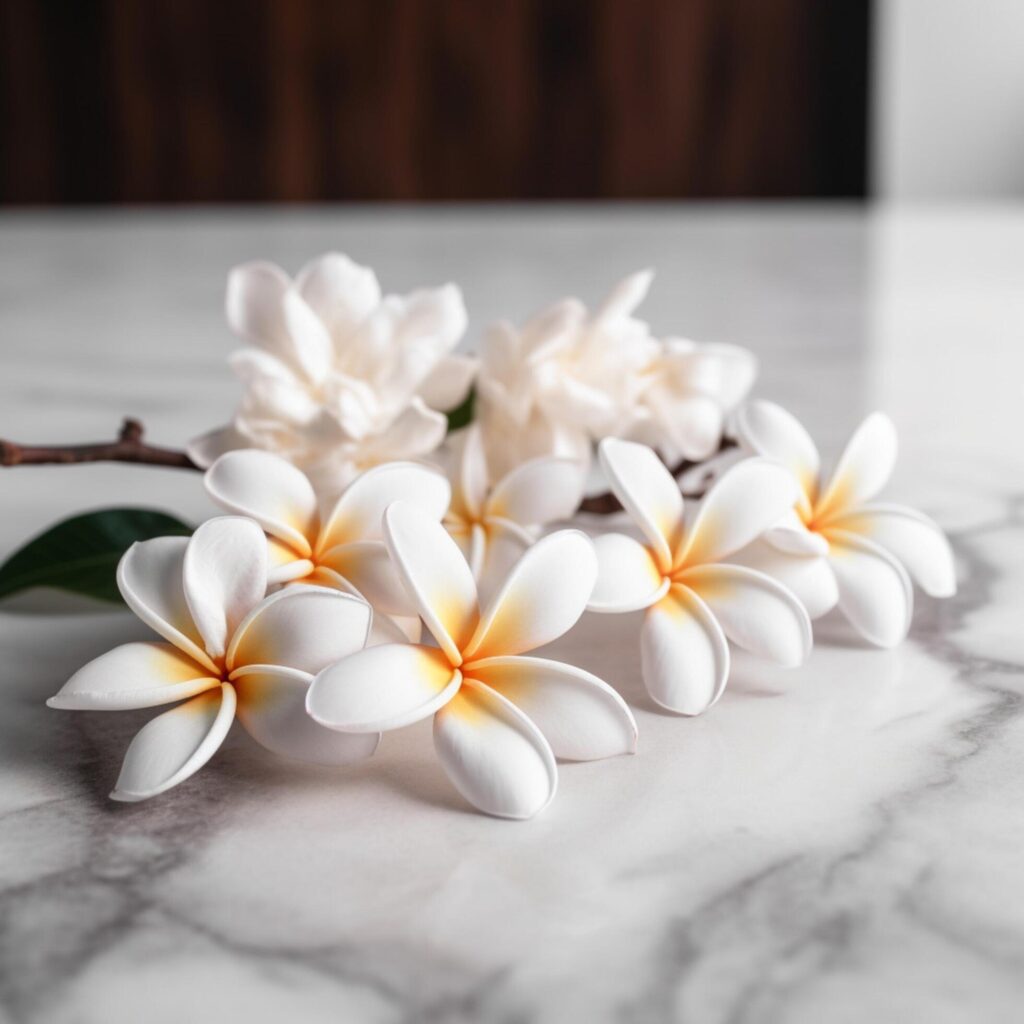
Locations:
840 843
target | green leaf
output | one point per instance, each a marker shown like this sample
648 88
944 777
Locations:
80 554
462 415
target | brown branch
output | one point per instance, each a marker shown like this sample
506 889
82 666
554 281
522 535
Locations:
605 504
129 447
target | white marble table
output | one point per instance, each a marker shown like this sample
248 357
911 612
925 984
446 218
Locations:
841 843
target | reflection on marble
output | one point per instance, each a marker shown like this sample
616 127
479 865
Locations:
838 843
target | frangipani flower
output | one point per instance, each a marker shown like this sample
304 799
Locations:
564 379
230 651
339 378
500 719
494 525
693 601
343 549
838 546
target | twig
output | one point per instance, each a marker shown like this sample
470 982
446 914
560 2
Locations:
129 447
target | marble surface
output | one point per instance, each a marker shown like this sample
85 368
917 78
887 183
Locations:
841 843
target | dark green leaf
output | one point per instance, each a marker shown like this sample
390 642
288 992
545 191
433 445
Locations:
462 415
80 554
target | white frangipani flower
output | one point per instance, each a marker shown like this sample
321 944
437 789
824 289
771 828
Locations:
494 525
500 719
839 546
343 549
230 651
693 601
566 379
339 378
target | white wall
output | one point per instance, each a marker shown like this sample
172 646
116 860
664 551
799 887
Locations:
948 99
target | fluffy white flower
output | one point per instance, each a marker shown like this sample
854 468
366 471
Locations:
567 378
688 392
342 549
693 602
493 525
339 378
499 719
839 546
230 652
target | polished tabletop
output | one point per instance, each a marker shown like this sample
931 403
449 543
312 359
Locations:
837 843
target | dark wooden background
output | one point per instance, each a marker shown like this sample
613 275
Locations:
293 100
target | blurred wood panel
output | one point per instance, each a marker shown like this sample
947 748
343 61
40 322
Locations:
249 100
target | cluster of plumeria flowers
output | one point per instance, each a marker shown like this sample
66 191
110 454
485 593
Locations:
356 586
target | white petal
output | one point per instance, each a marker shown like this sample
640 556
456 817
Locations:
174 745
368 567
253 366
792 536
497 548
863 469
625 296
684 655
538 492
755 612
341 292
207 448
359 511
305 628
648 493
136 675
284 564
255 307
150 577
914 540
628 578
691 427
449 383
581 716
767 429
726 372
543 597
494 755
436 575
310 339
749 498
810 577
272 707
875 592
382 688
472 472
270 490
225 577
416 432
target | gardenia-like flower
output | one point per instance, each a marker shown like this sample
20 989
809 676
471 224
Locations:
339 378
494 525
499 719
839 546
694 603
344 549
230 651
566 379
689 389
